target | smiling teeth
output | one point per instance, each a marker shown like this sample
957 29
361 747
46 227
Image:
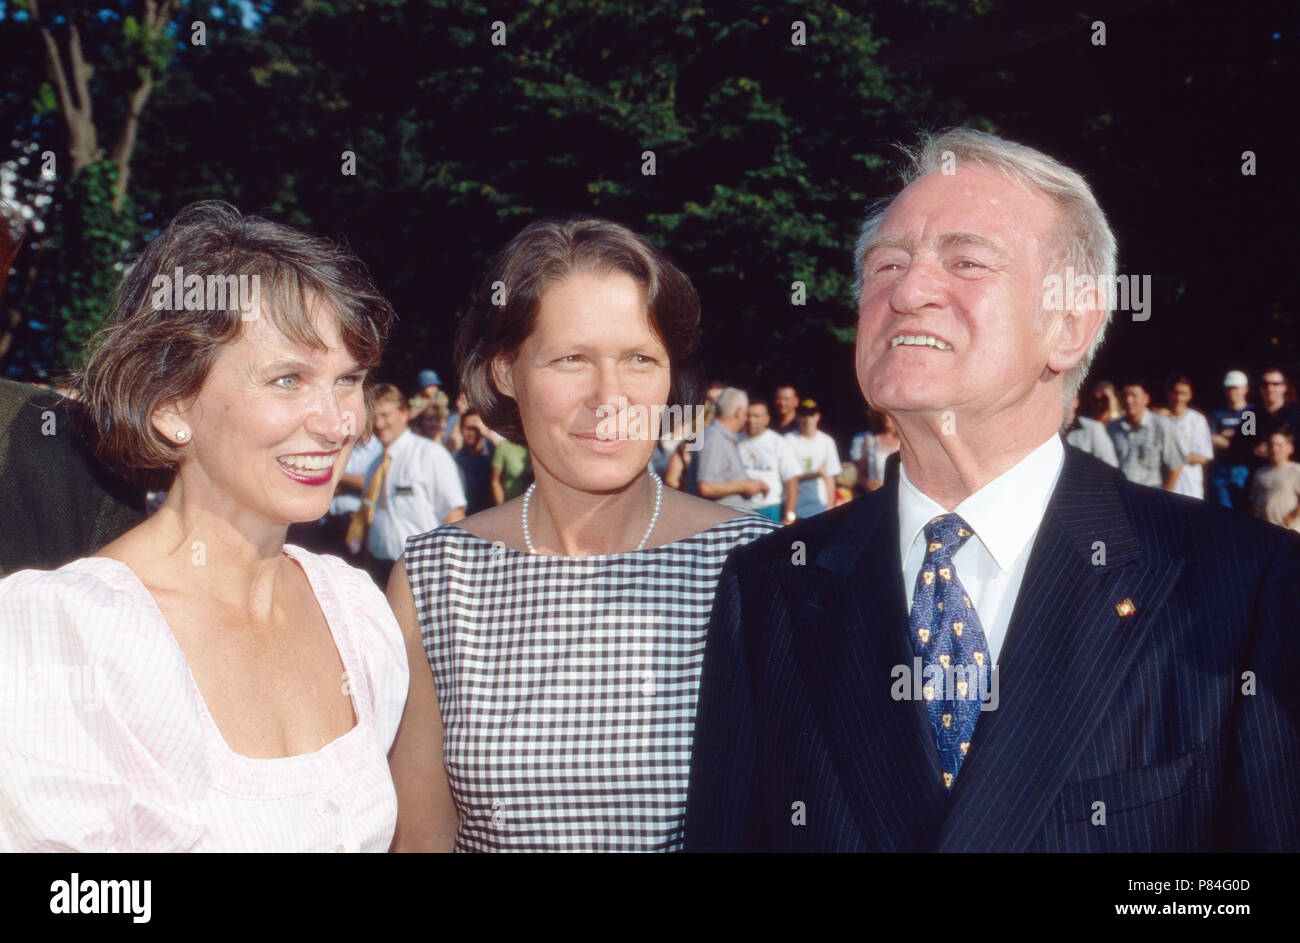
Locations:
308 462
920 340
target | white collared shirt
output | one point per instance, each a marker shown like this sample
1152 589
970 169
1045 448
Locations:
359 462
1005 515
422 488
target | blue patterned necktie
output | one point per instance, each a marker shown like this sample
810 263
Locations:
949 639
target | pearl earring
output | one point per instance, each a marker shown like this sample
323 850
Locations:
181 435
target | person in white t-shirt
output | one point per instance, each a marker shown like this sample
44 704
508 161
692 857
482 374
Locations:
768 457
870 450
1193 431
819 461
419 490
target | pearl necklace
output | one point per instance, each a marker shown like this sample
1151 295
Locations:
654 518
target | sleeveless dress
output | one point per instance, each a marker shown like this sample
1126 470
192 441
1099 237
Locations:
568 685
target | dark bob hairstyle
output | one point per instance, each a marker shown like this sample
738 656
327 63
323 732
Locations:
549 251
152 351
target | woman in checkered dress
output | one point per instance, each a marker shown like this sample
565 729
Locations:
565 629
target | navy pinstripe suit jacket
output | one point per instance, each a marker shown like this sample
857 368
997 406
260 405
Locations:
800 745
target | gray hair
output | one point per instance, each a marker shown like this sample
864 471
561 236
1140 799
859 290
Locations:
732 399
1084 240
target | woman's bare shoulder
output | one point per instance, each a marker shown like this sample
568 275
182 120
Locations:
684 515
501 522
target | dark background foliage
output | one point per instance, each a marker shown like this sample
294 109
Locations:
766 154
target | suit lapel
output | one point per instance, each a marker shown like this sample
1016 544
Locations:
1067 650
851 637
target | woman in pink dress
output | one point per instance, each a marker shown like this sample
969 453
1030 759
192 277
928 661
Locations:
197 685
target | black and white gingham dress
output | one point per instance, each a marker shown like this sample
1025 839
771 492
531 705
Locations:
568 685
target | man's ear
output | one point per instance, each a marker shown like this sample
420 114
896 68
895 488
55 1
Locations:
502 376
1071 332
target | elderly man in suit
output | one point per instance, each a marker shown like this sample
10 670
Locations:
1008 647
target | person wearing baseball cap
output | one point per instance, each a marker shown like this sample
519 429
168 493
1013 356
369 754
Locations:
1231 468
429 383
818 459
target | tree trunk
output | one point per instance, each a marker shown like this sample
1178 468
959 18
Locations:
72 85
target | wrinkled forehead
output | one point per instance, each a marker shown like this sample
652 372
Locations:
972 200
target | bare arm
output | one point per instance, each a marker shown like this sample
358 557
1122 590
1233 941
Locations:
351 484
720 489
676 466
498 490
791 498
426 812
454 515
1171 477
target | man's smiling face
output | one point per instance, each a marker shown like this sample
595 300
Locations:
959 258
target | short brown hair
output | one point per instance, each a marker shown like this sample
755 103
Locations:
1288 390
148 354
549 251
387 392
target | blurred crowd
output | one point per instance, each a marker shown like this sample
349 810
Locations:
1239 455
777 461
429 462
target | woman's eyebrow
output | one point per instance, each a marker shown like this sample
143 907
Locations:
286 363
290 364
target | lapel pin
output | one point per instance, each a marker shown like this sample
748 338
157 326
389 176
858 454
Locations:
1125 607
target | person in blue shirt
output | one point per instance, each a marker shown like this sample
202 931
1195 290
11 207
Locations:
1230 472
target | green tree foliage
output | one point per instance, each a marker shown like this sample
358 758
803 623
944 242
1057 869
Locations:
764 150
87 71
88 242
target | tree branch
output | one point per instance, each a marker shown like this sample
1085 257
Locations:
73 91
155 19
81 70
